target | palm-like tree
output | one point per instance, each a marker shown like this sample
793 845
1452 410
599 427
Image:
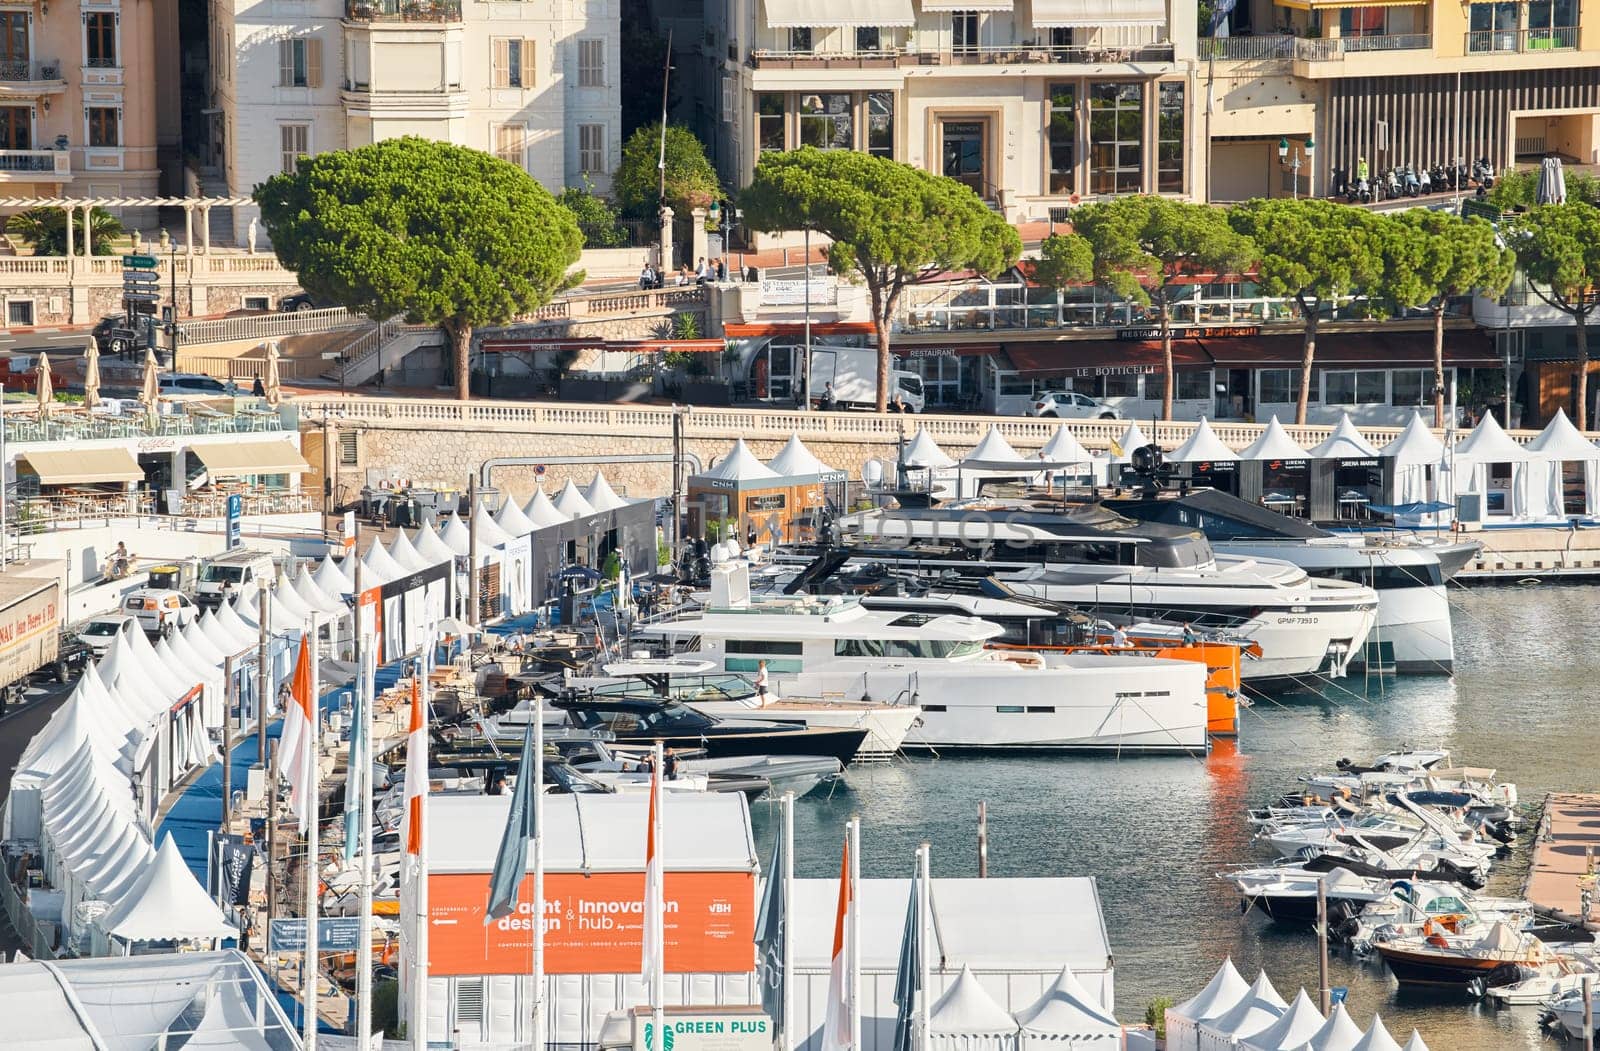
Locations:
45 231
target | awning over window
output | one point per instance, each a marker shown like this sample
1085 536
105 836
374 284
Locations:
791 14
931 6
1095 14
83 467
1087 358
232 461
1335 5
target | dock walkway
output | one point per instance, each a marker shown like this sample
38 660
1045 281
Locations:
1566 849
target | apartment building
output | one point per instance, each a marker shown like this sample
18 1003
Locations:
1395 83
534 83
78 99
1033 103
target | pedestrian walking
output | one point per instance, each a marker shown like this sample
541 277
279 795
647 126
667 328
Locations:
761 682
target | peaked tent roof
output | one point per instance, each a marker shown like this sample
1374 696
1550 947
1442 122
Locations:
570 502
1274 444
1132 438
542 512
993 449
923 451
1489 443
1203 446
512 520
489 532
408 557
1415 444
1416 1043
1066 1009
426 541
1064 447
330 579
1293 1029
1226 988
740 465
1258 1008
1345 443
313 595
966 1008
794 460
1377 1038
1560 440
601 496
1339 1033
166 903
455 534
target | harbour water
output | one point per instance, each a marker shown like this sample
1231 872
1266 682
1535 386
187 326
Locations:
1155 831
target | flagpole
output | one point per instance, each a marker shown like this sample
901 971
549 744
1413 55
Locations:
853 934
365 687
313 847
418 1029
657 918
787 875
539 1037
924 892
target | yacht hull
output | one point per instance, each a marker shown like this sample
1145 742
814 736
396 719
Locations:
1423 968
886 726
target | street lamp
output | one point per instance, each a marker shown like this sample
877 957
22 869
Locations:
1304 150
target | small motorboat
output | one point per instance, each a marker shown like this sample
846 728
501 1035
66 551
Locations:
1439 958
1289 895
635 721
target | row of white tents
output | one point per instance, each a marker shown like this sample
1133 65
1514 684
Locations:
794 460
1230 1014
1066 1017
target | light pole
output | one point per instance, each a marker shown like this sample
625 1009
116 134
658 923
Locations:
1293 164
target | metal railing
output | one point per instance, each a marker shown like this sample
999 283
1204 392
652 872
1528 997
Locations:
57 162
267 326
29 71
1490 41
1023 52
1316 50
248 416
1247 48
407 11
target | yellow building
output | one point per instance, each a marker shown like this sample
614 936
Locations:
1395 83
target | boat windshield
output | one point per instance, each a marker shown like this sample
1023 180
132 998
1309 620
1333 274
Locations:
672 719
685 688
1445 905
934 649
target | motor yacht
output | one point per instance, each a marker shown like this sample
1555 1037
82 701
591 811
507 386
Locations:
1289 895
1099 562
971 697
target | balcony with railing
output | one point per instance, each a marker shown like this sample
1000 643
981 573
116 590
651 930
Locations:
31 76
1522 41
68 424
1308 49
1028 52
409 11
31 165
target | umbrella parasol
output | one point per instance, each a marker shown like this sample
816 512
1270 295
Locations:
150 386
91 374
274 388
43 387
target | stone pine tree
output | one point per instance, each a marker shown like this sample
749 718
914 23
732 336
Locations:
441 234
1312 252
1558 249
890 224
1151 250
1430 258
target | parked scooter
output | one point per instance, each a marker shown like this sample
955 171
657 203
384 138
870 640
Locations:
1392 184
1441 181
1408 179
1363 191
1483 173
1425 183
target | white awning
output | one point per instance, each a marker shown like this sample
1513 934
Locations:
930 6
249 458
789 14
1096 14
83 466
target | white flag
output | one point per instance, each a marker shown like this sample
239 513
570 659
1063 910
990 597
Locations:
837 1032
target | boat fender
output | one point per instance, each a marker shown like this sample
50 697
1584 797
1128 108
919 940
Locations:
1438 941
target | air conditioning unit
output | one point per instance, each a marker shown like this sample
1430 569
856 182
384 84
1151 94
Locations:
1469 511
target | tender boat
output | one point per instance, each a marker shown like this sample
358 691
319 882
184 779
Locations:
1289 895
1438 958
677 726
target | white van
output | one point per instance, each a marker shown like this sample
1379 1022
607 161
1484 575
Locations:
227 573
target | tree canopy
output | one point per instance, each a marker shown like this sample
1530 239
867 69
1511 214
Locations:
890 224
691 180
1432 257
1313 252
1149 250
45 230
442 234
1558 248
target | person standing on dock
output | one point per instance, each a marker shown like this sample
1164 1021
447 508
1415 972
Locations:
761 683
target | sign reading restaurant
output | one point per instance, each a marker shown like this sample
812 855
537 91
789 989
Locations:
1147 333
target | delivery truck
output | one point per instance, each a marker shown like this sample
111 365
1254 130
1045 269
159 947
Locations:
30 625
853 372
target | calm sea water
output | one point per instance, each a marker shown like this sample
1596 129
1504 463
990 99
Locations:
1155 831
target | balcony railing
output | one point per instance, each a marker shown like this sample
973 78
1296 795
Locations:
75 425
1247 48
1024 52
1491 41
24 71
402 10
1308 49
49 162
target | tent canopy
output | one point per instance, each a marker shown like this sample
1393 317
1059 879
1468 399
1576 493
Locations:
1489 443
1293 1029
923 451
1345 443
1132 438
1067 1010
1203 446
1340 1033
1259 1008
1064 447
967 1009
512 520
407 556
993 449
740 465
541 512
455 534
489 532
426 541
1560 440
1226 988
1377 1038
1275 444
571 503
601 496
166 904
795 460
1414 445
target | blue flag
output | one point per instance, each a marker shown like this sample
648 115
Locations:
354 798
770 935
908 973
512 859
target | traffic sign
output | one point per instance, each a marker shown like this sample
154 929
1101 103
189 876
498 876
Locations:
334 934
141 297
140 277
139 262
235 509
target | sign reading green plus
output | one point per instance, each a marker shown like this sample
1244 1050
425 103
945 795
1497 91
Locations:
688 1029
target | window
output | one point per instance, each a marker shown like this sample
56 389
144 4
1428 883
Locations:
19 312
1492 27
295 142
769 122
869 38
104 126
1124 386
592 148
800 39
760 647
591 63
1366 387
100 39
1409 385
880 124
510 143
16 128
1063 138
1552 24
826 122
300 63
1194 385
964 31
1278 386
512 64
1116 138
1169 138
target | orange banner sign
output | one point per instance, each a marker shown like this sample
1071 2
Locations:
593 924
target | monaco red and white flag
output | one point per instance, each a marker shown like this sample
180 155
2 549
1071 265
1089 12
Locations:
416 770
297 749
837 1031
654 966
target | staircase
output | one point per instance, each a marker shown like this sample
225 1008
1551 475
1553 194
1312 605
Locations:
360 360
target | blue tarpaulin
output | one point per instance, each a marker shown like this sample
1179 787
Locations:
1428 508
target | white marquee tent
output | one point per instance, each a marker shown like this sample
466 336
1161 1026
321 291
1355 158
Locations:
1345 443
795 460
1132 438
601 496
1203 446
923 452
570 502
1475 455
1293 1029
1259 1008
1377 1038
1558 445
740 465
1225 990
455 535
967 1018
1274 444
1339 1033
1421 474
542 512
166 903
1067 1018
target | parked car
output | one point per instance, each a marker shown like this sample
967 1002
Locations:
98 632
192 383
73 653
1070 405
160 611
112 335
298 301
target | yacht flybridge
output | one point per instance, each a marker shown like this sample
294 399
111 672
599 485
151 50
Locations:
971 697
1097 561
